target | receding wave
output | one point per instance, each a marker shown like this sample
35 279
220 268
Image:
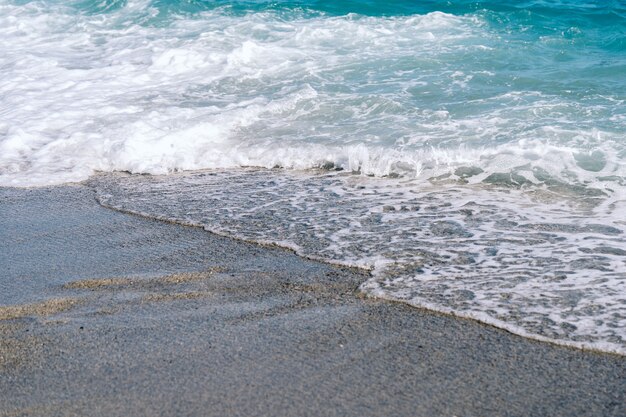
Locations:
535 261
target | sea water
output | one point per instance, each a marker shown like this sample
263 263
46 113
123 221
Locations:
471 154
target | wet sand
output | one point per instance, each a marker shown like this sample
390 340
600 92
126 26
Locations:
108 314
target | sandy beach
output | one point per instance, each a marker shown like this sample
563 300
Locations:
108 314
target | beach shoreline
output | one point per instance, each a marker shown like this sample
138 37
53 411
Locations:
107 313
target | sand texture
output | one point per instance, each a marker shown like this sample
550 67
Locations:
108 314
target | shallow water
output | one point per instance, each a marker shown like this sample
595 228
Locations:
531 263
488 138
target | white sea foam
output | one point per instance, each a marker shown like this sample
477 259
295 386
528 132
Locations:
104 92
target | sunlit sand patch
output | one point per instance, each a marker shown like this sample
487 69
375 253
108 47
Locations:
187 276
94 284
44 308
163 288
191 295
121 283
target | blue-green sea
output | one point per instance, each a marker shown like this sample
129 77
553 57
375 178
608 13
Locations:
471 154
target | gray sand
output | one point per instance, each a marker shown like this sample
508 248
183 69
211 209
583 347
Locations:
108 314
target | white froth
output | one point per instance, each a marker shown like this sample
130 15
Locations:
84 93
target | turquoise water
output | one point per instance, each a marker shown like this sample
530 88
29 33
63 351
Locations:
571 10
385 88
513 111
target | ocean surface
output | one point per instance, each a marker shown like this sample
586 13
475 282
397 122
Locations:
471 154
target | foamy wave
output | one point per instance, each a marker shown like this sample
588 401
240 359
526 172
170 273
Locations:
84 93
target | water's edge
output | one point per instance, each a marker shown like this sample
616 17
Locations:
361 291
